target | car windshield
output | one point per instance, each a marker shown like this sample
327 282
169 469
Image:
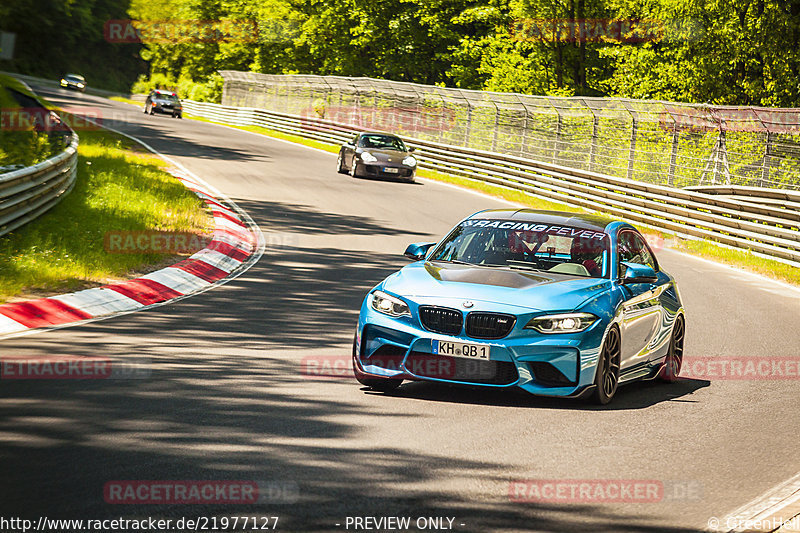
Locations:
382 142
167 96
74 77
527 246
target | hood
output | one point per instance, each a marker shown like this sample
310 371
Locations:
396 156
539 291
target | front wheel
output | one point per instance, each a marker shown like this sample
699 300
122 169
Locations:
152 109
340 164
674 361
606 380
354 168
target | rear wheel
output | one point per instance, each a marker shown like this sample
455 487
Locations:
674 361
607 379
374 383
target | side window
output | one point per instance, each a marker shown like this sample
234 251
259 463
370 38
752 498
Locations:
633 249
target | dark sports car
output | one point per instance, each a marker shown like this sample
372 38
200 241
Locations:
377 155
166 102
557 304
74 81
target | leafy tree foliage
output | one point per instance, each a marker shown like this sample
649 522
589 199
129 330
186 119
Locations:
716 51
59 36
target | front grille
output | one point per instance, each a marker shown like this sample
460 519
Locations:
441 319
489 325
460 369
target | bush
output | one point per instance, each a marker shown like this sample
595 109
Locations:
206 91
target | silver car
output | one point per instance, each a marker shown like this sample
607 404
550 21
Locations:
377 155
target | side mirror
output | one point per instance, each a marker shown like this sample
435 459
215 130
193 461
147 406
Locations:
637 273
411 149
418 250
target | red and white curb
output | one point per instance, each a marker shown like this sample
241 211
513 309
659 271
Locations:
237 243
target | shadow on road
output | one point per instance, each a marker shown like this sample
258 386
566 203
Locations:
225 400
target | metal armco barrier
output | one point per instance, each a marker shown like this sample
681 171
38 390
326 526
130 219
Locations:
662 143
767 228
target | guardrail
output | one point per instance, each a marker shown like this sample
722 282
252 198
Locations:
766 228
664 143
28 192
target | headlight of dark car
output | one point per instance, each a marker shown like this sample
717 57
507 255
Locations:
410 161
389 305
562 323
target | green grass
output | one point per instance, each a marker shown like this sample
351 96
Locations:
737 258
126 100
118 188
740 259
21 146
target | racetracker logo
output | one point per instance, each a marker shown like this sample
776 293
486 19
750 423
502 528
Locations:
741 368
73 367
621 31
153 242
426 365
602 491
180 31
199 492
43 120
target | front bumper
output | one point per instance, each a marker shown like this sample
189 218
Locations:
383 170
168 110
562 365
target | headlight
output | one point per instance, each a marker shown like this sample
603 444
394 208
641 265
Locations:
563 323
367 157
63 82
389 305
410 161
80 85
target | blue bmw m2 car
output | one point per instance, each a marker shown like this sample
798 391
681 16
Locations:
557 304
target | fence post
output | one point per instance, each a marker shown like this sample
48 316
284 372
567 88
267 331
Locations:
593 145
468 129
632 153
524 139
673 158
557 142
767 161
496 125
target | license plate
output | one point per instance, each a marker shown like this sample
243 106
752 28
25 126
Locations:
391 170
457 349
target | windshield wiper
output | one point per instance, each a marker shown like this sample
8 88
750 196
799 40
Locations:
455 261
521 265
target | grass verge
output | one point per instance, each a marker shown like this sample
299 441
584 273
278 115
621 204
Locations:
737 258
119 188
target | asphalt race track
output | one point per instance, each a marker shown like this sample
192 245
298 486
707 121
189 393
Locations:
227 398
